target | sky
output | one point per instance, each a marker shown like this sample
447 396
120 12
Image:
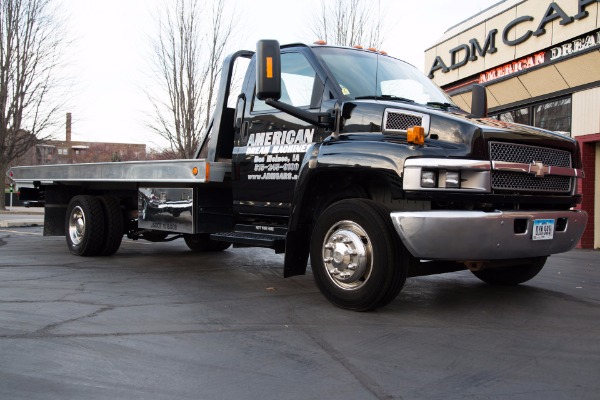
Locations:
108 61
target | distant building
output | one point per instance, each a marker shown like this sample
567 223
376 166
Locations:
71 152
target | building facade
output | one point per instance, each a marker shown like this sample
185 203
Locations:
540 63
73 152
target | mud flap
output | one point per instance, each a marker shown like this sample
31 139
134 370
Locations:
297 247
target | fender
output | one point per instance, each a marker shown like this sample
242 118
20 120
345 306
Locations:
368 152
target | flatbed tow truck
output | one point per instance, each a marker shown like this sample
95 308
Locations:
349 156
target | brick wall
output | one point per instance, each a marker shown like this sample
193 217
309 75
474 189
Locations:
587 144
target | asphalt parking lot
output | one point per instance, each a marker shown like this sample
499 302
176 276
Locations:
156 321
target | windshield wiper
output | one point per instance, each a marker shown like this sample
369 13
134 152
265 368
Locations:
440 104
385 97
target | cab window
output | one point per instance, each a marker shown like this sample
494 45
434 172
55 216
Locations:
297 82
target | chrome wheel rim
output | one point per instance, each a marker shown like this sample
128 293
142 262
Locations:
77 225
347 255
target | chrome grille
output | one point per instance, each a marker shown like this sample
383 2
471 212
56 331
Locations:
525 182
527 154
504 180
401 122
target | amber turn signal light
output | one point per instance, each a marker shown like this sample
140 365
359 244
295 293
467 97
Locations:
269 67
416 135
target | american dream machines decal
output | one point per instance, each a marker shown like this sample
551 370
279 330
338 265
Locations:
267 169
277 154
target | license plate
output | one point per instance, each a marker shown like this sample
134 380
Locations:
543 229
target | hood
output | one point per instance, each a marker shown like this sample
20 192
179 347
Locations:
454 129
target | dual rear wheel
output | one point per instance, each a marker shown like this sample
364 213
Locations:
94 225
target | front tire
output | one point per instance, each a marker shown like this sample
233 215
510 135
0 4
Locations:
512 275
84 226
356 258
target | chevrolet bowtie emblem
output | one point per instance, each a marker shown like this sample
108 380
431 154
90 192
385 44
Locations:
539 169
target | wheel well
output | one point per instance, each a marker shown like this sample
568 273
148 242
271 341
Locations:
321 190
328 187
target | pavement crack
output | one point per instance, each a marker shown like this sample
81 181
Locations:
80 289
363 378
207 329
367 382
48 328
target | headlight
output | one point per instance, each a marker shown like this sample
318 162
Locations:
428 179
453 179
447 174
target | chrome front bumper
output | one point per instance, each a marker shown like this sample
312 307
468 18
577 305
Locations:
479 236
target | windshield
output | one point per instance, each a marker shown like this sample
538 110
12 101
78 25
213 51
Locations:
355 72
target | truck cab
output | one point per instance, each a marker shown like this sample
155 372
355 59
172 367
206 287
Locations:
355 126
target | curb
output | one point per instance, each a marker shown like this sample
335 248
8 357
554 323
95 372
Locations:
21 223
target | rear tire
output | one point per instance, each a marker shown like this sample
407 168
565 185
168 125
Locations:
356 258
202 242
84 226
512 275
113 225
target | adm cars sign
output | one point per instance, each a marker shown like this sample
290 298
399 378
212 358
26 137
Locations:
465 53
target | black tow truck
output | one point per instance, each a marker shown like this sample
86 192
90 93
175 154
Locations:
347 156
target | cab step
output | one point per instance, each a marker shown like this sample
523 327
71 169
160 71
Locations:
251 239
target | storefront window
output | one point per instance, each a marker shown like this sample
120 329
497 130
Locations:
520 116
554 116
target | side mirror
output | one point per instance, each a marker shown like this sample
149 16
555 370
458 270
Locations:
268 70
479 107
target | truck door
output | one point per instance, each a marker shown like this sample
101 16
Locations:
271 144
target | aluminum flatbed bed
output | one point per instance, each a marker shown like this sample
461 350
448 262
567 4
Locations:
140 172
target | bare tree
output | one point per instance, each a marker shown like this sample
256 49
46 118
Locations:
186 70
31 44
350 23
164 154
